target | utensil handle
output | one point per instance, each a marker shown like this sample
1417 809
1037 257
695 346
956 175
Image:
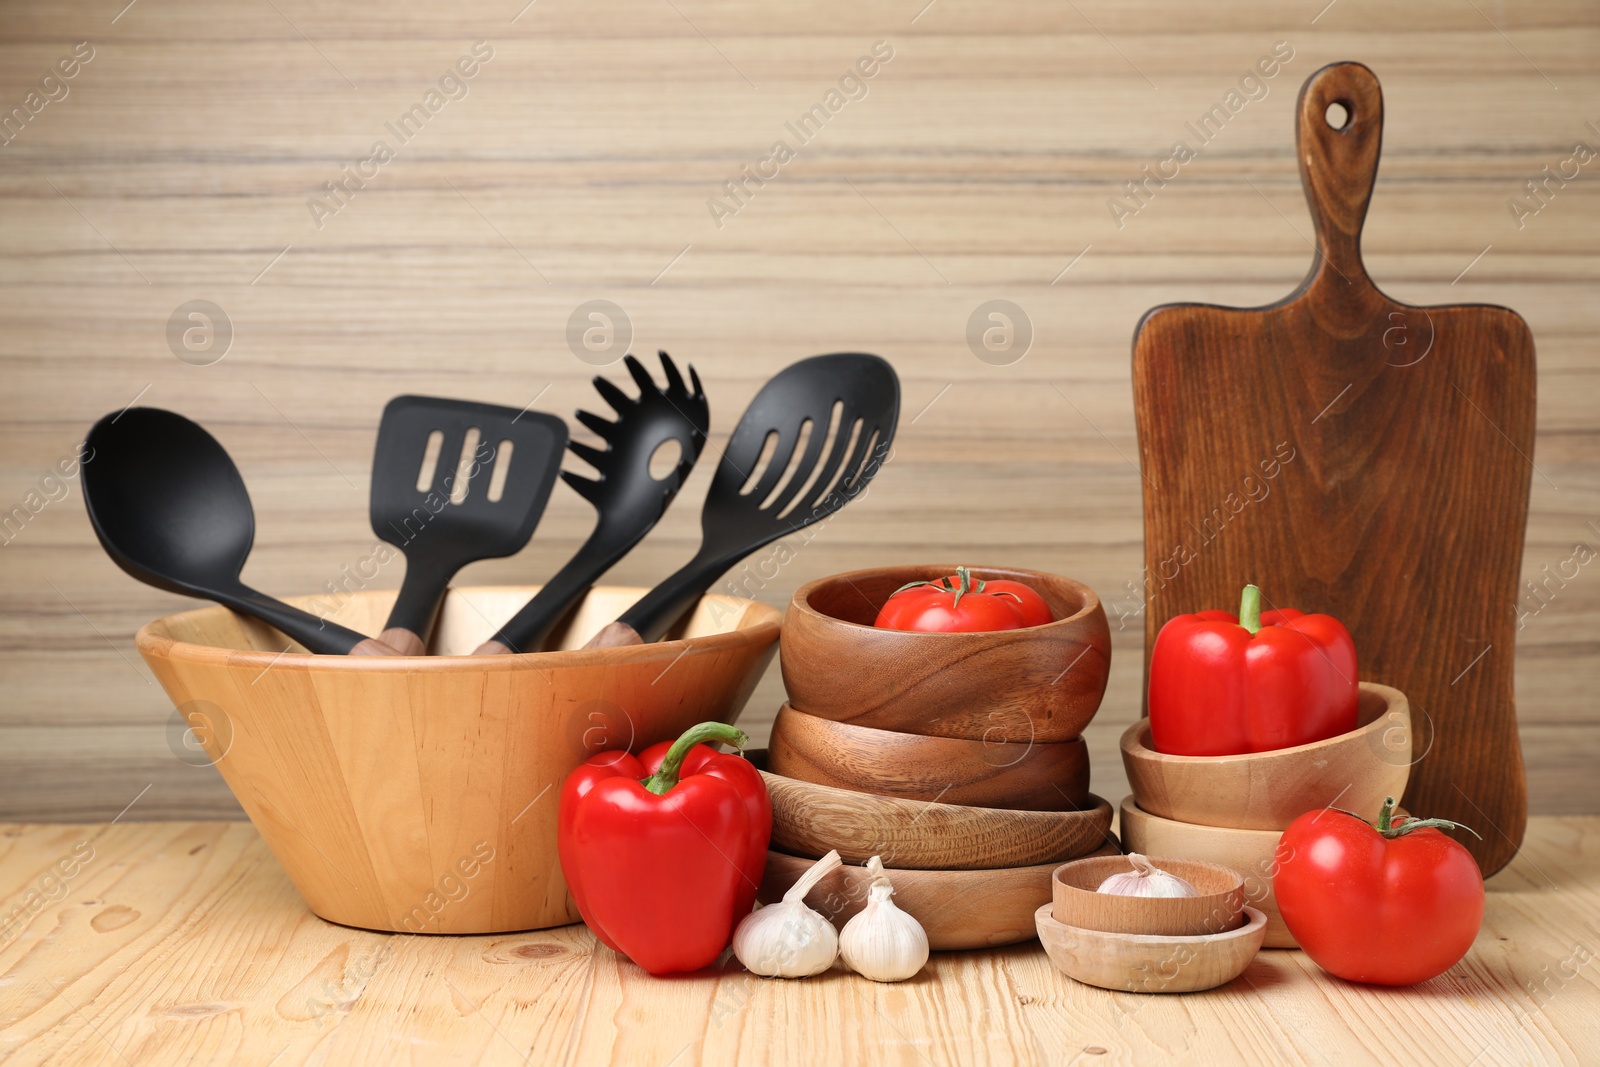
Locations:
319 635
417 604
1338 166
527 629
658 610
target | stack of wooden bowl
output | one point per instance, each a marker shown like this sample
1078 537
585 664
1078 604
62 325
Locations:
956 757
1232 809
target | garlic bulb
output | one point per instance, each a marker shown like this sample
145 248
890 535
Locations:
882 942
1146 880
788 939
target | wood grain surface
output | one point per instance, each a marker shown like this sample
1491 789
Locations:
978 166
1047 776
1408 494
183 942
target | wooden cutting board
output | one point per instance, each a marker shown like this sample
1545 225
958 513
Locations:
1358 456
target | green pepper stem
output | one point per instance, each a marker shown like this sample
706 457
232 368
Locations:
1386 824
1250 609
666 776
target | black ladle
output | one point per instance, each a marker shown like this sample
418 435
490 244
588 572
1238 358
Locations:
170 508
849 402
630 500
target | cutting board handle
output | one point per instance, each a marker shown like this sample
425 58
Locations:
1338 167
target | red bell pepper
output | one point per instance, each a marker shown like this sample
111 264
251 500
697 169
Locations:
664 852
1222 684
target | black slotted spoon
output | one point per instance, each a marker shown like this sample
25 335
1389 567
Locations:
454 482
629 499
848 402
170 508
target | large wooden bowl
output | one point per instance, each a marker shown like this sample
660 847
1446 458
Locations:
1142 963
1043 683
1250 852
809 819
1032 776
419 794
1217 907
957 909
1267 790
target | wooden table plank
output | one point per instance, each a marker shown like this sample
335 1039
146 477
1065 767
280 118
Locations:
184 942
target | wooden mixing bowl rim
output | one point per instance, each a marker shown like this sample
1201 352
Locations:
800 601
1132 742
764 630
911 874
864 733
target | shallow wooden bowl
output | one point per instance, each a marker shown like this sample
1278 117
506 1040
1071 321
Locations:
419 793
1144 963
1037 776
809 819
958 909
1250 852
1217 908
1043 683
1267 790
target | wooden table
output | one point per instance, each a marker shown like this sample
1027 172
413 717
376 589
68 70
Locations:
185 943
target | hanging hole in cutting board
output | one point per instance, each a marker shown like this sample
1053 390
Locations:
664 460
1337 115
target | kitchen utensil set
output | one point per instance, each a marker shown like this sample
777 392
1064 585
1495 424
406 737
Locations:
454 482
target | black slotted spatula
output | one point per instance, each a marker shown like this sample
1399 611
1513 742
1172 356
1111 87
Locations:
454 482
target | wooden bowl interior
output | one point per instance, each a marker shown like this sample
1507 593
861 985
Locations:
858 597
468 617
1217 908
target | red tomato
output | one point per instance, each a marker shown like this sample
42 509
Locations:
1391 905
961 604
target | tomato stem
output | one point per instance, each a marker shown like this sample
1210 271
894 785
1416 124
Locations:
1250 609
666 776
1391 829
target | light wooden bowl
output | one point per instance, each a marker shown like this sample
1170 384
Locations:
1043 683
1143 963
809 819
957 909
1267 790
1037 776
1250 852
419 794
1216 909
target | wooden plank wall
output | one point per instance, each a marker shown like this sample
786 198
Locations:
577 163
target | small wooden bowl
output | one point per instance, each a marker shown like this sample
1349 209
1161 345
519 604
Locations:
1144 963
418 794
1249 852
1267 790
1216 909
957 909
1043 683
1037 776
809 819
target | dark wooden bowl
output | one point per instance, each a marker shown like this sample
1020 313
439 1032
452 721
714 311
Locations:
1042 683
1024 775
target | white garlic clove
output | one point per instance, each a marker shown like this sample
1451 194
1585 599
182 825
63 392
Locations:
1146 880
788 939
883 942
